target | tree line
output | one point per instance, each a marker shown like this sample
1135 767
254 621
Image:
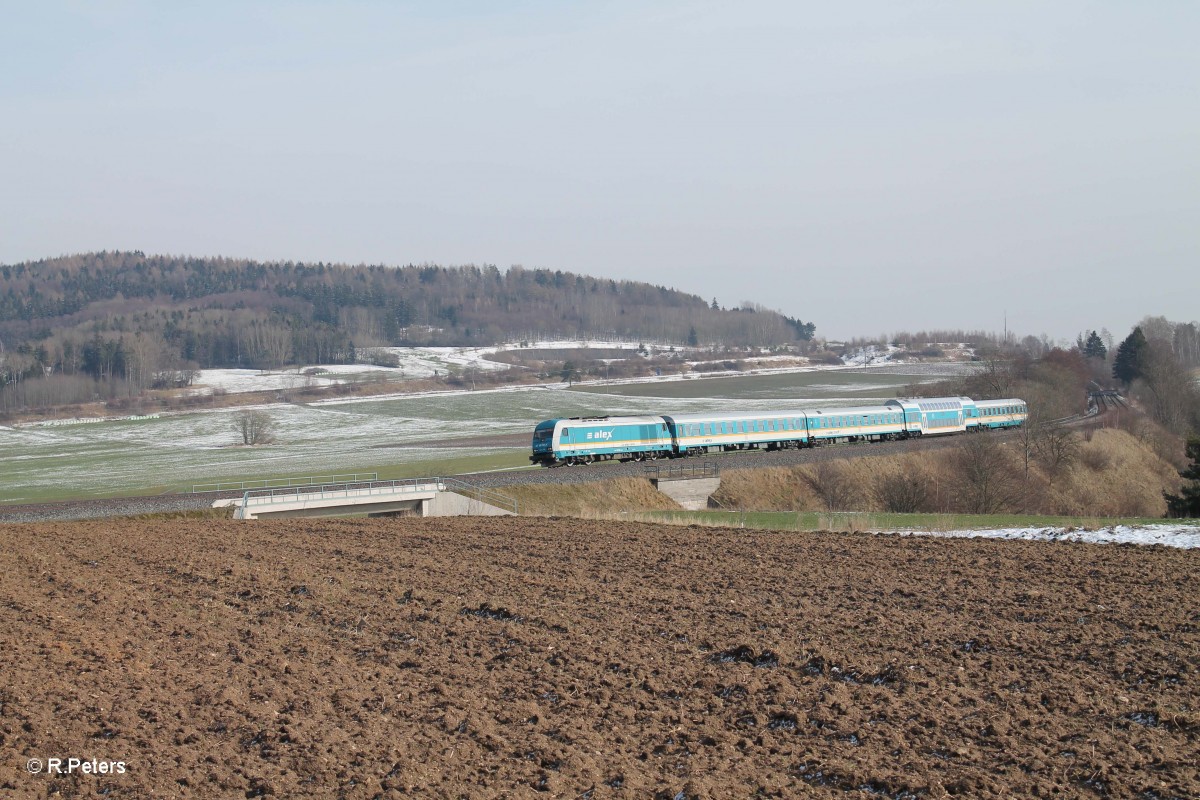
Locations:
98 325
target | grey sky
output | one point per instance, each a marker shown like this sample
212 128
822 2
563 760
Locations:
940 163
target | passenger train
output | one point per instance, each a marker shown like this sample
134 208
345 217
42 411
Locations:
583 440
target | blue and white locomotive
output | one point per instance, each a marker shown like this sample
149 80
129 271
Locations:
584 440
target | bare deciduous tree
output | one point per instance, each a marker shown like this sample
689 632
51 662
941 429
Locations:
255 426
986 481
997 378
904 491
1057 448
830 481
1166 389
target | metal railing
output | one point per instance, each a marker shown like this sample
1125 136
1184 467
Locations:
284 483
281 494
683 472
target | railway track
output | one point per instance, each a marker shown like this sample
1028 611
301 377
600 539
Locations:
745 459
1100 402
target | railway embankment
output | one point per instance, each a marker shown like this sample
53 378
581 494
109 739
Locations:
1094 471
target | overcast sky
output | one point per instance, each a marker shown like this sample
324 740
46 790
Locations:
871 167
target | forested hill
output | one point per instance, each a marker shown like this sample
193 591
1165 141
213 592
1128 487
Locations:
214 312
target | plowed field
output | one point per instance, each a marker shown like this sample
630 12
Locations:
560 658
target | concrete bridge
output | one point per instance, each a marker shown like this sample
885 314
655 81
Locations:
689 485
421 497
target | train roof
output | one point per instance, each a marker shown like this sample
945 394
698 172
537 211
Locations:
643 419
771 414
825 412
1008 401
941 403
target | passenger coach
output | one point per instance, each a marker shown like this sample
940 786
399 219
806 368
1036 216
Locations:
999 413
867 424
702 433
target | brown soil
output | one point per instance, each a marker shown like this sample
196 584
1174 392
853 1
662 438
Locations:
561 658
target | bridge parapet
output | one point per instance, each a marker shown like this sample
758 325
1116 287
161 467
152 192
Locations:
416 496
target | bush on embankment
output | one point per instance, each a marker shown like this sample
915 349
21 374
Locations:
1106 473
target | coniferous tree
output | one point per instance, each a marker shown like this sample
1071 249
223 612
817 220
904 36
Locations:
1094 347
1187 502
1131 353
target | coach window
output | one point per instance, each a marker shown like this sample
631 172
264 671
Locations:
565 431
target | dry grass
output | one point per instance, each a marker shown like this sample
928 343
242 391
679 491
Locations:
1117 475
794 488
772 488
599 500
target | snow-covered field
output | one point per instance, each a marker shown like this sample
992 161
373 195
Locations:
334 435
412 363
1169 535
427 362
330 436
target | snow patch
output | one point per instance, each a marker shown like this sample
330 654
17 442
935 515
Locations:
412 362
1186 537
869 355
